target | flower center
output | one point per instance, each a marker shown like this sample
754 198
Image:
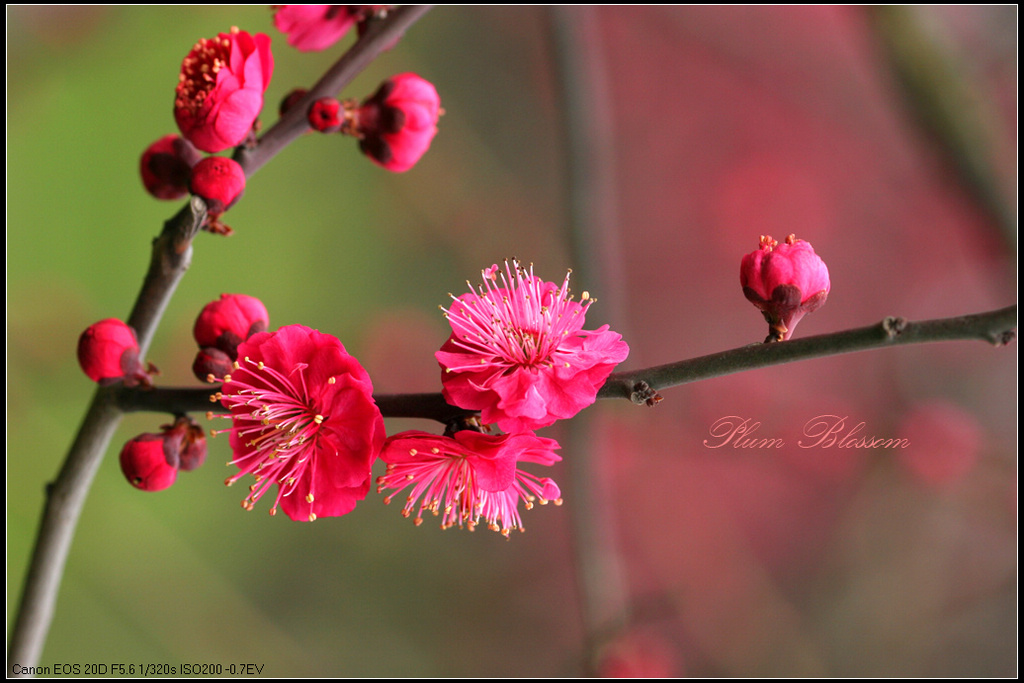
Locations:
199 71
518 324
277 427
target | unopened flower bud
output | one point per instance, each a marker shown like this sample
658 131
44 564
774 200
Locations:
211 365
785 282
194 452
166 166
290 100
220 181
324 115
185 438
397 123
230 320
149 463
109 352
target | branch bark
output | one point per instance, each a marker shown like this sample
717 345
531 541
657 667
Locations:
995 327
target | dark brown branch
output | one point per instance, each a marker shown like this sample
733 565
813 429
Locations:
178 400
996 327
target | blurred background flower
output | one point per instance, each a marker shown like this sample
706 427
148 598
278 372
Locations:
726 123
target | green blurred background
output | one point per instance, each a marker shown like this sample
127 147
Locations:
728 123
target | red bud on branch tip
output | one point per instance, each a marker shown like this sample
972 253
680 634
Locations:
108 352
290 100
220 89
397 123
146 464
785 282
219 181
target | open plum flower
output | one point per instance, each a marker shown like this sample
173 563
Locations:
468 476
220 89
785 282
316 27
519 354
304 419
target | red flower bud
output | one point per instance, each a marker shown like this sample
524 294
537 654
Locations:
166 166
109 352
290 100
186 443
323 115
193 452
785 282
220 181
211 365
148 463
220 89
230 320
397 123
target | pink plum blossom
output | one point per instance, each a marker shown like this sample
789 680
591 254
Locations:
304 419
518 351
220 89
785 282
468 476
316 27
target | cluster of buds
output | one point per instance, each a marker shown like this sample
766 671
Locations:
219 98
150 462
221 326
394 126
172 167
217 104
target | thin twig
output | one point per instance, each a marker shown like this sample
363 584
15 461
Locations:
996 327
